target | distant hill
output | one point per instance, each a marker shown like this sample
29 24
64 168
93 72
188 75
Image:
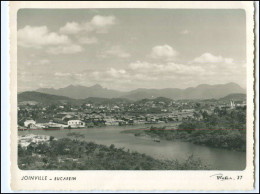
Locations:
82 92
95 100
42 98
236 96
158 99
203 91
33 97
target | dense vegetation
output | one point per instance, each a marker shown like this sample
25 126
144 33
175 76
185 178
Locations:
220 119
49 99
222 129
42 98
229 139
72 154
235 96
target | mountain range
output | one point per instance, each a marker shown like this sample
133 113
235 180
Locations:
38 97
203 91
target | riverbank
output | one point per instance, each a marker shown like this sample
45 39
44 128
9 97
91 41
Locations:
225 139
74 154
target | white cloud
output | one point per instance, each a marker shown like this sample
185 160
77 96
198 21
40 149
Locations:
142 74
115 77
87 40
37 62
185 32
102 21
44 61
62 74
210 58
71 49
70 28
165 68
163 52
116 51
116 73
140 65
229 60
39 36
150 75
98 24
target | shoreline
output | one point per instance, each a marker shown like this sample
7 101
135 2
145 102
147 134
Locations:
181 149
74 154
148 133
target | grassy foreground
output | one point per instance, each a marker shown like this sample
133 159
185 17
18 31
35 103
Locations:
72 154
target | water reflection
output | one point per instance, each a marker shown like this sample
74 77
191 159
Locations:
218 159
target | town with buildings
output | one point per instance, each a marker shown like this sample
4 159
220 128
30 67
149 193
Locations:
33 115
26 140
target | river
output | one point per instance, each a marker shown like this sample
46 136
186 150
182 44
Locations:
217 159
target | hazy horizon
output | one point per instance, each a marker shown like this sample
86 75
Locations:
75 85
126 49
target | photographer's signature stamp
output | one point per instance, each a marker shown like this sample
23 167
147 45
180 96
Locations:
222 177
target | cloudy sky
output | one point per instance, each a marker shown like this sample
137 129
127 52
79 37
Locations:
125 49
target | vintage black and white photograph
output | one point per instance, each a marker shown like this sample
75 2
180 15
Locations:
131 89
132 96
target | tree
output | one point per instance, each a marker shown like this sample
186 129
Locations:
51 138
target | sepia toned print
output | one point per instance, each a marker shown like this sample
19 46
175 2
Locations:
135 90
159 101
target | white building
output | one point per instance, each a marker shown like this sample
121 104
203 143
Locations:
111 122
28 122
139 121
232 104
25 140
76 123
